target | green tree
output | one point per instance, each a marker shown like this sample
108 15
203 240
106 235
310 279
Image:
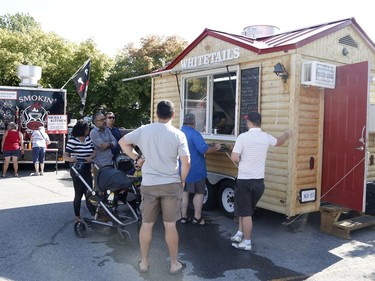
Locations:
131 100
58 58
22 41
19 23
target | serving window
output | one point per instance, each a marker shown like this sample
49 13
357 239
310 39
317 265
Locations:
211 97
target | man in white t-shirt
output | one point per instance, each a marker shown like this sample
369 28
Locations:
250 151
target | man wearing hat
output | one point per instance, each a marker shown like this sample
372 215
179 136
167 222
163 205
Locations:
195 180
250 151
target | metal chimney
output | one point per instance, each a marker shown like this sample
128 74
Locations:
29 75
257 31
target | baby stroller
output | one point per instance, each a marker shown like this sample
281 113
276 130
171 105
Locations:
112 189
124 163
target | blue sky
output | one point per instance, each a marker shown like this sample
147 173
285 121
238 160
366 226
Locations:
114 23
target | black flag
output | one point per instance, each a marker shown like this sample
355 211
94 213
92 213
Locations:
81 81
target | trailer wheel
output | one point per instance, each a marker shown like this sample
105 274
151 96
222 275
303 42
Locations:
210 197
226 202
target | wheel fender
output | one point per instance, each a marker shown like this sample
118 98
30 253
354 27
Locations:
215 178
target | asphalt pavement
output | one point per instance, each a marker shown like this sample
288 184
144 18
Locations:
37 242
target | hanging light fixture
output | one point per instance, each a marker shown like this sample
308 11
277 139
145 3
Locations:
280 71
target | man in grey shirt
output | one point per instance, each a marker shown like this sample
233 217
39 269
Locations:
103 141
162 185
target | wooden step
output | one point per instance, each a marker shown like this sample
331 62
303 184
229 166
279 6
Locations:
343 228
356 223
330 223
331 208
329 214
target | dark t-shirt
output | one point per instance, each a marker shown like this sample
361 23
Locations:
117 134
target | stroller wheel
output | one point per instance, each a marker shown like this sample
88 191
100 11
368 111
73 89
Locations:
80 229
123 236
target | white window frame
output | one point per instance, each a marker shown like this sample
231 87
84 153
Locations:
208 74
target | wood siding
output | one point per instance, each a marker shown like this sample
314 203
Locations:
166 88
275 110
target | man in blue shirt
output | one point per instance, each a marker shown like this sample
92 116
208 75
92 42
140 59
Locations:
195 181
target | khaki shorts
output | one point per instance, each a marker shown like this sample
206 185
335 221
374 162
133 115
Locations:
165 198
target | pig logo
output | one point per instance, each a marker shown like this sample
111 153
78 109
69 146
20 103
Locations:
33 117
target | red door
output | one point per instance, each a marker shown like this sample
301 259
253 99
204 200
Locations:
344 149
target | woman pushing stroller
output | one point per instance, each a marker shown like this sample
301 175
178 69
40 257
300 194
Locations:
80 152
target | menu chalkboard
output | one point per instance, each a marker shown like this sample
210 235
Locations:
249 94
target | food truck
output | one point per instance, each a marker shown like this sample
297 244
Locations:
31 107
317 81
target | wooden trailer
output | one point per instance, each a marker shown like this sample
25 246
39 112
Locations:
317 81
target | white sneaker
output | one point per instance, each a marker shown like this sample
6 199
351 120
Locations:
242 246
236 238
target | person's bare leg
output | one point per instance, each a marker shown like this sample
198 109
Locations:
36 166
247 227
6 165
15 164
171 238
184 204
240 224
198 204
145 238
42 168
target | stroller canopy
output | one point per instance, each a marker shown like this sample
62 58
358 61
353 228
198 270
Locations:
124 163
109 178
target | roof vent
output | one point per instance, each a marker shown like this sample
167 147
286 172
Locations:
257 31
29 75
349 41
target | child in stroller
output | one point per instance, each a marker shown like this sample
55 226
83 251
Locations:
126 164
112 187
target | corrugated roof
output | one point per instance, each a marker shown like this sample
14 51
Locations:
278 42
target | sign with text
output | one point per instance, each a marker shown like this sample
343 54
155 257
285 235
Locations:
8 95
307 195
211 58
57 124
249 94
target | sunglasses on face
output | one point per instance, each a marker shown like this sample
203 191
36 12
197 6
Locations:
111 117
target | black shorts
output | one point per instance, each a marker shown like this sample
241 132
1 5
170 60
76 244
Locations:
246 196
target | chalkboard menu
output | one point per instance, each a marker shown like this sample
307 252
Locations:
249 94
